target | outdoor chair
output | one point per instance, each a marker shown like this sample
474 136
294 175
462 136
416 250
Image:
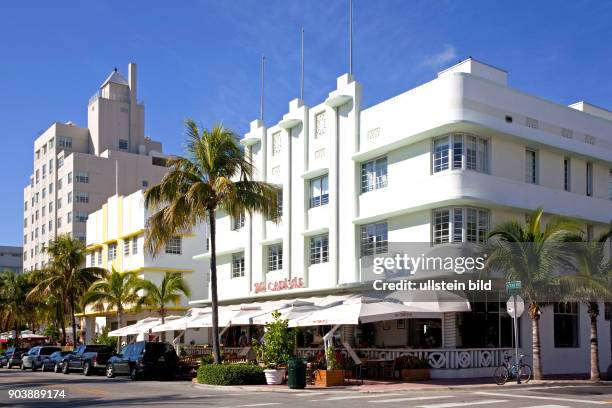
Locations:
388 370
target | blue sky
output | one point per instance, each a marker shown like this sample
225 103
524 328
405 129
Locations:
200 59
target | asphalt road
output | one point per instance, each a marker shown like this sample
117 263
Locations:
95 391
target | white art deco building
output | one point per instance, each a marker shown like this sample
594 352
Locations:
441 163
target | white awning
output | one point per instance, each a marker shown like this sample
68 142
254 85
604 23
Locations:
181 323
356 310
438 301
140 327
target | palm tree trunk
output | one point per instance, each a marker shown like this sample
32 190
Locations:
593 313
213 287
16 324
73 315
162 313
119 325
63 324
535 342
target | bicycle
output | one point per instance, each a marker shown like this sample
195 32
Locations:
508 371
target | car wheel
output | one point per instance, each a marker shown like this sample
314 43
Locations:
133 373
56 368
43 367
110 371
65 369
23 367
86 369
33 366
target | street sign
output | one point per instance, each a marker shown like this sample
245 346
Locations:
513 286
519 306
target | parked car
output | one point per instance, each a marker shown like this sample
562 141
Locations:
144 359
54 361
34 357
12 357
87 358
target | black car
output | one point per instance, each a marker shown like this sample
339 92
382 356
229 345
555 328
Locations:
87 358
13 355
144 359
54 361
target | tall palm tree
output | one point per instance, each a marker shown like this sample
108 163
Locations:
169 291
14 288
530 253
216 175
64 275
113 292
591 283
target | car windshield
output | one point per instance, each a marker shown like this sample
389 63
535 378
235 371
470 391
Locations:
158 348
48 350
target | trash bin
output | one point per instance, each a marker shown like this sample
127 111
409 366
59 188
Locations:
297 373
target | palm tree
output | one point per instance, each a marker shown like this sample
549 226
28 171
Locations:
215 175
591 282
169 291
114 291
530 253
14 288
64 275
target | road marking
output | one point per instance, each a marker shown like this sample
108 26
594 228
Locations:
499 394
548 406
410 399
307 394
263 404
350 397
462 404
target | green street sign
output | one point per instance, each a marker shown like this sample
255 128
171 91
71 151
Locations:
513 286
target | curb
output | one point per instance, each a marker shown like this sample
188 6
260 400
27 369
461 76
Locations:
384 388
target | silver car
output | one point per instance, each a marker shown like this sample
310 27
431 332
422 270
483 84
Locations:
33 359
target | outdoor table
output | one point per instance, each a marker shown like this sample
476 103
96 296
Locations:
374 367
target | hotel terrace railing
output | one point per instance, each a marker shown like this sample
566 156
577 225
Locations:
438 358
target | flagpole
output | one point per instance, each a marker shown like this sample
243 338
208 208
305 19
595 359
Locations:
261 101
351 37
302 66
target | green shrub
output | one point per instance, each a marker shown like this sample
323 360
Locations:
207 359
278 343
231 374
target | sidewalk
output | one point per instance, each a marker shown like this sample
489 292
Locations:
386 386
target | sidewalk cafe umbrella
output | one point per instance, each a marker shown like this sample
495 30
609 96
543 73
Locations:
141 326
181 323
433 301
294 311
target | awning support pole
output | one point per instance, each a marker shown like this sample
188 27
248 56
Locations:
327 339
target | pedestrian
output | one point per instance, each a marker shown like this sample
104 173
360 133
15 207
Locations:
242 340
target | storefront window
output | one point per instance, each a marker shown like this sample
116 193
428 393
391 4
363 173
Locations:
425 333
488 325
566 324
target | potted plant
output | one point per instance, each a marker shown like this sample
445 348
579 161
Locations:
276 349
412 368
333 375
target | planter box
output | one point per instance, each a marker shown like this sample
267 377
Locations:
415 374
274 377
329 378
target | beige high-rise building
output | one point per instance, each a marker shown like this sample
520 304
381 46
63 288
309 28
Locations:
76 169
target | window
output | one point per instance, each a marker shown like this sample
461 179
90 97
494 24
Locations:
159 161
319 249
173 246
80 216
134 245
123 144
44 192
59 222
532 123
64 142
531 166
69 198
51 166
374 175
69 217
319 191
43 229
275 257
37 214
50 225
44 209
374 239
279 203
589 179
50 207
59 184
99 258
610 184
81 177
69 177
60 162
566 324
320 125
50 188
276 143
81 197
238 265
460 224
25 222
238 222
112 251
145 184
51 143
37 176
461 151
126 247
566 174
44 171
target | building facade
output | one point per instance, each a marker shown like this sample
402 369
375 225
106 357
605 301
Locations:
10 258
439 164
77 168
115 240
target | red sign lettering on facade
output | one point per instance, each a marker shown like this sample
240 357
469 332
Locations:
284 284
